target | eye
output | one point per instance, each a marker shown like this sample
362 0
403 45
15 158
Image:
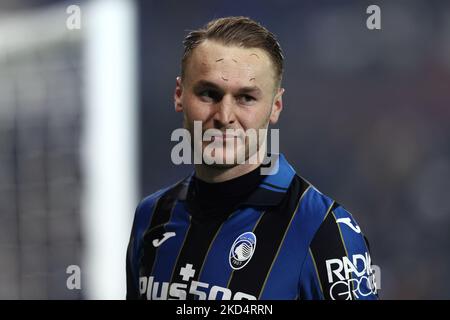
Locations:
246 99
209 96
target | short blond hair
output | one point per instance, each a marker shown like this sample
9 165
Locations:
240 31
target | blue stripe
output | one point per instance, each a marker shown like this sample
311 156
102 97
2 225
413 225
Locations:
283 278
309 217
309 288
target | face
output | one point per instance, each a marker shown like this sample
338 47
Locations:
228 87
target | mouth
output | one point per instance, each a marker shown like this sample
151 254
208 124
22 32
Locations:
224 137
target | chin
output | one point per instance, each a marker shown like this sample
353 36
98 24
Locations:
224 159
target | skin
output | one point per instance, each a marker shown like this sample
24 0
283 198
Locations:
228 87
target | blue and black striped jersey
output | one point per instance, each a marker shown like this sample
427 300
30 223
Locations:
286 240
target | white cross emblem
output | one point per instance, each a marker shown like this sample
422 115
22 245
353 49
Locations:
187 272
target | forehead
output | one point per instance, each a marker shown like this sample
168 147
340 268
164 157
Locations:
214 61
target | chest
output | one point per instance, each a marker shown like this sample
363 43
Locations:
248 255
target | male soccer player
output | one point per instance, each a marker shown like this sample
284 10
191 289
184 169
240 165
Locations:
228 231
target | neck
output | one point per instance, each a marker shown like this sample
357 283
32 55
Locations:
220 174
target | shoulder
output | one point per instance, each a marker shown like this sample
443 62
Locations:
146 206
321 211
337 262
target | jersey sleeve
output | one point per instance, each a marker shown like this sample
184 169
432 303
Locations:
338 264
131 262
141 220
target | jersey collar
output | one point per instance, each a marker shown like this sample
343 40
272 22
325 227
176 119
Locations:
270 191
274 186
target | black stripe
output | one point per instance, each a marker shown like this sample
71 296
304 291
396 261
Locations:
269 234
161 215
164 207
333 207
327 244
367 243
197 242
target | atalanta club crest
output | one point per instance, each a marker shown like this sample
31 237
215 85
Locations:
242 250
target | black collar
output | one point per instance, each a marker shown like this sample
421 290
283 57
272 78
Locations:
270 190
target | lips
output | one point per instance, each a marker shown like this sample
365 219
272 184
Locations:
225 137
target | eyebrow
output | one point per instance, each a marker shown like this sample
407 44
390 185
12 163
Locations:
204 84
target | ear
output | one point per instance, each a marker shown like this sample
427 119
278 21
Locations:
277 106
177 95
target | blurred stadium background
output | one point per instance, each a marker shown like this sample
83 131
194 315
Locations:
86 117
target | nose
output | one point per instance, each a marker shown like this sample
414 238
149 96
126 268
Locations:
224 115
